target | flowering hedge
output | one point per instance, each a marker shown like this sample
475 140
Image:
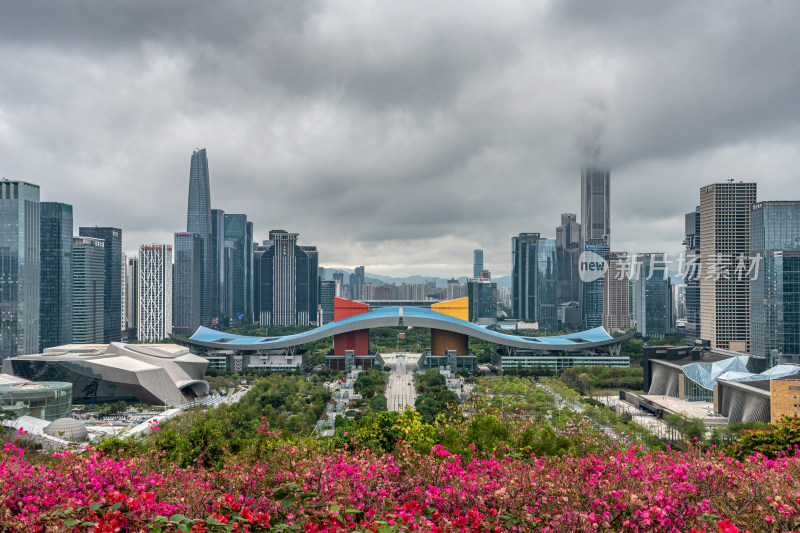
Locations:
294 488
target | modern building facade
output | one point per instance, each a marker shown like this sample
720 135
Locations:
156 374
547 279
595 235
112 299
524 275
775 287
218 269
132 289
692 275
477 263
568 251
20 274
724 242
616 293
199 221
596 205
239 234
482 298
155 292
55 307
187 295
327 296
88 290
652 304
286 292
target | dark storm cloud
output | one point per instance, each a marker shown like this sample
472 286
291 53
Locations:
399 135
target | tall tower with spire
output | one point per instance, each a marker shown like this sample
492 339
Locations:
198 220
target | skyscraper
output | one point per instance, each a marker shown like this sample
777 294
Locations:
568 251
155 292
186 297
112 299
524 275
287 281
19 268
327 293
88 290
595 236
596 205
55 309
691 275
199 221
218 279
477 263
482 295
132 288
546 304
240 277
616 293
724 240
357 283
775 285
652 304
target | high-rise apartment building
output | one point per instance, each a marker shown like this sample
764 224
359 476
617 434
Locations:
568 251
357 283
88 290
724 241
652 303
775 284
524 275
477 263
616 293
155 292
19 268
199 221
240 232
287 281
187 283
55 308
595 236
113 278
692 275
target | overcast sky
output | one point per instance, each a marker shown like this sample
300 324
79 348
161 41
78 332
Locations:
399 135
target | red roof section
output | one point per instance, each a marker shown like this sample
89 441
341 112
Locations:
343 308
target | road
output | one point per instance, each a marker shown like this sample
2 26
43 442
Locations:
400 392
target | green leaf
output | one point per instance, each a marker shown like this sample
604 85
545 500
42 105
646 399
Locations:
116 506
178 519
95 506
335 508
287 502
71 523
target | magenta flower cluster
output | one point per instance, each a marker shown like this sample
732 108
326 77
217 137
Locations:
624 490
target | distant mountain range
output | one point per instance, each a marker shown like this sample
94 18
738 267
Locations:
503 281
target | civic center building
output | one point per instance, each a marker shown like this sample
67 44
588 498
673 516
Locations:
450 333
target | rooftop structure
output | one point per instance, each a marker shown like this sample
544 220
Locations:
158 374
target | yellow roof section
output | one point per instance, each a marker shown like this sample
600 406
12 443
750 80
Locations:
458 308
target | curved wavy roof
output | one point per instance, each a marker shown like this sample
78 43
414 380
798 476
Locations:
401 316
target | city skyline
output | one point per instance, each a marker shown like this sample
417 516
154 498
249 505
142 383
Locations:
457 139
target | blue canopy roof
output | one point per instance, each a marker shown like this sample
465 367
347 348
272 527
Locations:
402 316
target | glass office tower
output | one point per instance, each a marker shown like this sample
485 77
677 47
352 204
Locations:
19 268
112 304
55 309
775 287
